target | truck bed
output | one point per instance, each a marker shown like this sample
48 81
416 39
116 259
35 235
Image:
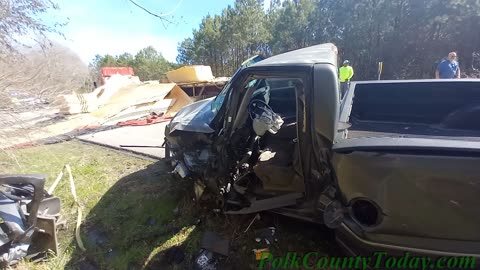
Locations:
433 109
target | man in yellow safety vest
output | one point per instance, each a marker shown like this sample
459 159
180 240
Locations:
345 74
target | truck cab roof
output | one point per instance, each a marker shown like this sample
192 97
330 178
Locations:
323 53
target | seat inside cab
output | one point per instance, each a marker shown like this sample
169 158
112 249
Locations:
277 153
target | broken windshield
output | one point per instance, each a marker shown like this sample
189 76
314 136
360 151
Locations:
218 101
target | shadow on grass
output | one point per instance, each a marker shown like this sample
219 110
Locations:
148 220
142 214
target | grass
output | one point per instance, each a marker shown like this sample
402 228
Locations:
134 211
118 194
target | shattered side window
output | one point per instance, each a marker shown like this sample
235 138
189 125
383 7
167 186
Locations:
251 83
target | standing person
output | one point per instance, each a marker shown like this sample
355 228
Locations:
448 68
345 74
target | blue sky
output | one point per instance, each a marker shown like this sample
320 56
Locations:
117 26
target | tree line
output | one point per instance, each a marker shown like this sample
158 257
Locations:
409 36
148 64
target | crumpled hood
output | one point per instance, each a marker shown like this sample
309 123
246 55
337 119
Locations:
195 117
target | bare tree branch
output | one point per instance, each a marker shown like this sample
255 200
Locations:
19 19
42 74
160 16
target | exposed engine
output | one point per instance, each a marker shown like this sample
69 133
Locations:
242 166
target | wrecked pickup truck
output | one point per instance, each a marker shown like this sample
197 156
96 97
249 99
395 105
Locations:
393 166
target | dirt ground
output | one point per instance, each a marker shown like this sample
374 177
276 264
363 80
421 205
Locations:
136 214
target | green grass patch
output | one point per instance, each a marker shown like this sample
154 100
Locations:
125 200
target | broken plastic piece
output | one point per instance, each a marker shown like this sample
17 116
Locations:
264 118
266 234
266 155
20 238
261 253
206 260
181 170
199 188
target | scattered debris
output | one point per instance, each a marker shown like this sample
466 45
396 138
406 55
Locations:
206 260
140 100
27 219
124 98
257 217
261 253
188 74
203 90
266 234
89 102
149 120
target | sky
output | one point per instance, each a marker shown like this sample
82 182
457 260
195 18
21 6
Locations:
118 26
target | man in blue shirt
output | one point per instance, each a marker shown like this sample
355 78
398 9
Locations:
448 68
